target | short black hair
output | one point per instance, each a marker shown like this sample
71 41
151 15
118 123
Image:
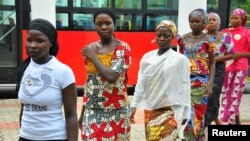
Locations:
104 11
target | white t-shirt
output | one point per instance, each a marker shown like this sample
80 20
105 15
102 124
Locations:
41 93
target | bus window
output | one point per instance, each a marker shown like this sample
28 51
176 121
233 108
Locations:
83 21
8 46
128 4
61 3
212 4
129 22
162 4
124 25
62 21
153 20
92 3
7 2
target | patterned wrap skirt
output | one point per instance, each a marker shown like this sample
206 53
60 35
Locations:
232 92
160 125
195 127
108 125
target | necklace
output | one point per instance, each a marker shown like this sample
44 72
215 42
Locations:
195 37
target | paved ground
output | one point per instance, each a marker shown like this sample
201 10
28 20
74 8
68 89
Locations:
9 125
9 112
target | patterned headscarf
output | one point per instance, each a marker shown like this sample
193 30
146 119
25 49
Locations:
169 24
217 17
243 15
202 13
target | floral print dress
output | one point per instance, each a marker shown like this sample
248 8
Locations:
106 114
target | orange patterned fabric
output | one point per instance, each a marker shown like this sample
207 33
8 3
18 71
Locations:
100 93
105 59
160 124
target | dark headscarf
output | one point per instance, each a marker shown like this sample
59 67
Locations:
104 11
47 29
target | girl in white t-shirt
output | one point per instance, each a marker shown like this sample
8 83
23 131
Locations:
45 85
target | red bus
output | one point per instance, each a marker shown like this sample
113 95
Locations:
135 23
71 42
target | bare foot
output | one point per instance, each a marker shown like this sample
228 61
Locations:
237 120
220 122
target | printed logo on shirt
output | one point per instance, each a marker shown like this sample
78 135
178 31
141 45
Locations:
237 37
36 85
35 108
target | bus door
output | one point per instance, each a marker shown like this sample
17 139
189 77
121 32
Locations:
8 45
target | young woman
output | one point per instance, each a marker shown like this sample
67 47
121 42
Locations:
224 51
43 90
163 88
237 71
105 111
199 48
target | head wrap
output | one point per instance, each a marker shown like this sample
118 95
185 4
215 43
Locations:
243 15
169 24
47 29
217 17
104 11
201 13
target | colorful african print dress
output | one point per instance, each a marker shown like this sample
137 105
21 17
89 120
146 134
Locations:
106 115
198 56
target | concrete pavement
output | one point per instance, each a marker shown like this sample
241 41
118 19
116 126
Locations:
9 125
10 108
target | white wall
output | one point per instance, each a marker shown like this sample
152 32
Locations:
44 9
185 7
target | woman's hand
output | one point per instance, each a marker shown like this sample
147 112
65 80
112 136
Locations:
80 123
132 116
209 90
88 51
81 118
236 56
